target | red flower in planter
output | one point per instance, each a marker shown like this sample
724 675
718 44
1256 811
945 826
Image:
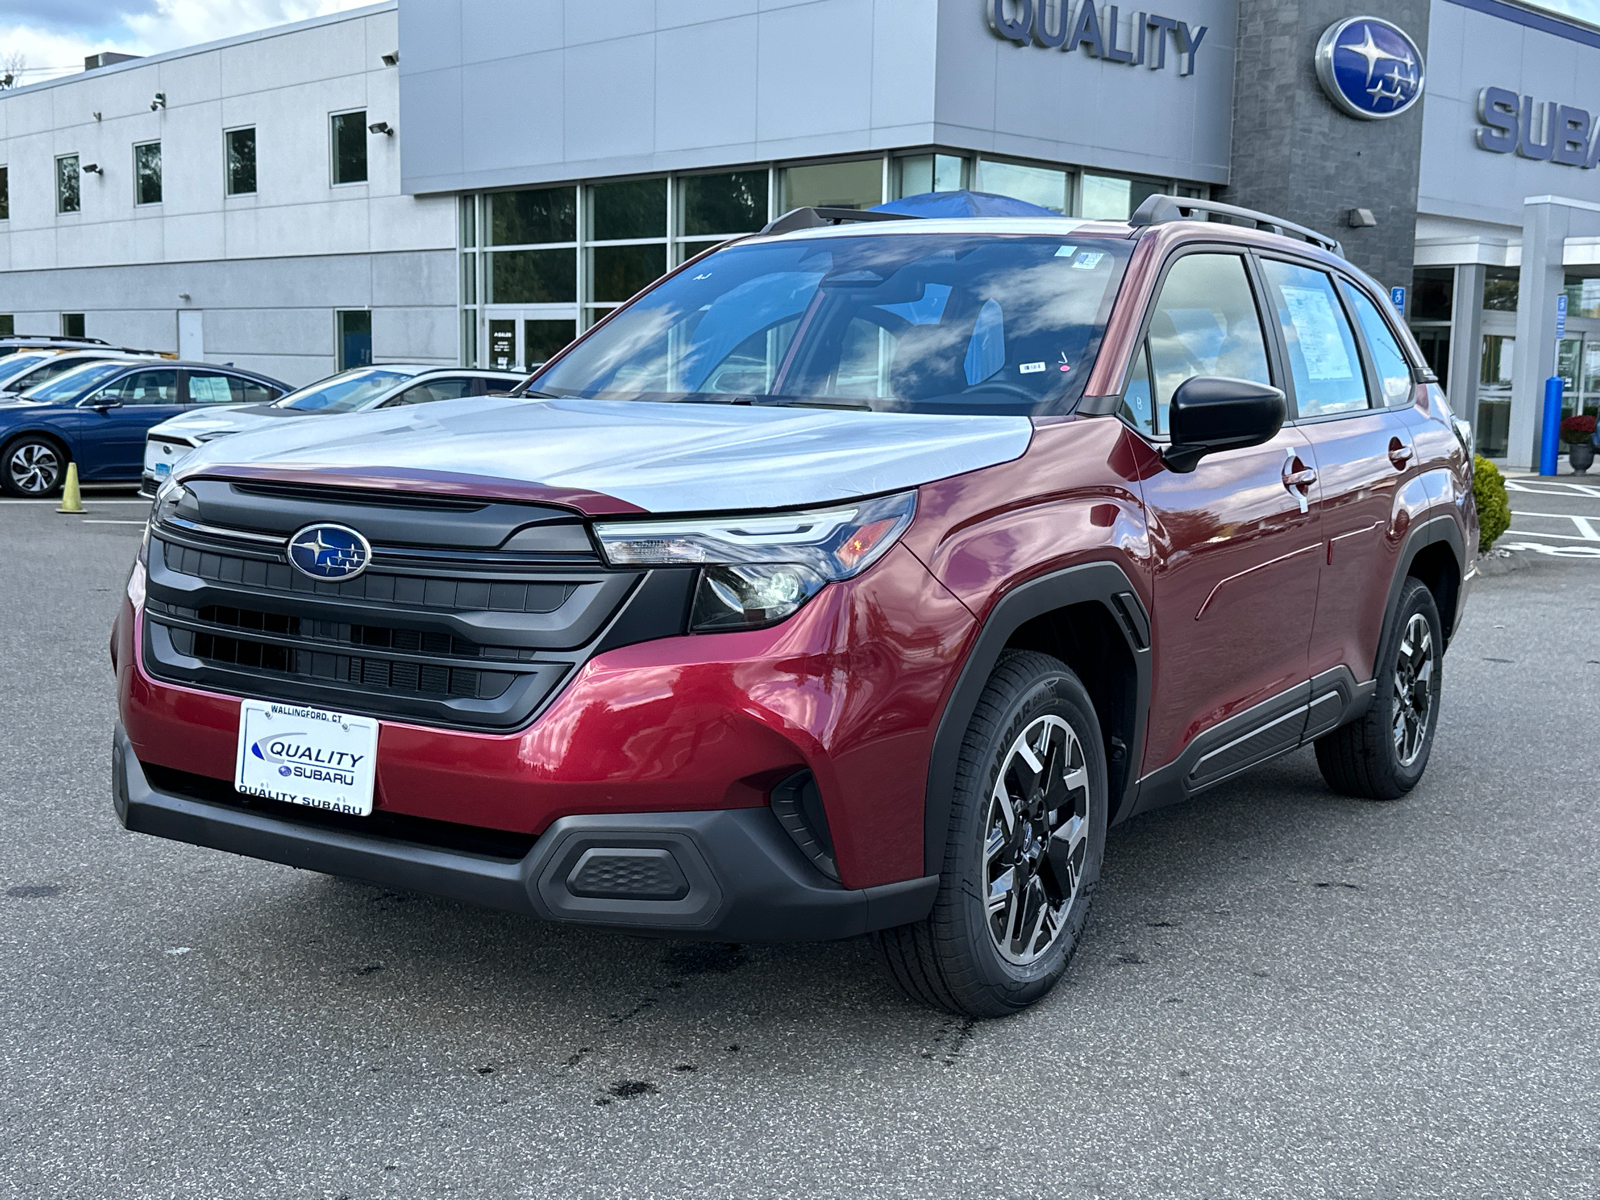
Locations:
1577 429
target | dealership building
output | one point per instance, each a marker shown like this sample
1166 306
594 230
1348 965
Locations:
464 181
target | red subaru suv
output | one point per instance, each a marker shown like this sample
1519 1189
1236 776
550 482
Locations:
851 579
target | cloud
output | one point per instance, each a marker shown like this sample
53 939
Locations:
54 36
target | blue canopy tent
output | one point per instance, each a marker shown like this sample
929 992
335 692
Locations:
963 204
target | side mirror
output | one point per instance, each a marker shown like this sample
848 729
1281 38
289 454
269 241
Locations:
100 403
1211 413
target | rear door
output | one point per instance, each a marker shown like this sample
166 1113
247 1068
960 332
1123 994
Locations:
1348 392
1235 544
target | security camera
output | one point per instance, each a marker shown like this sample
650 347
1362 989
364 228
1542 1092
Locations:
382 127
160 101
392 58
91 169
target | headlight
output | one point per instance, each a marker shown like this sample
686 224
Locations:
758 570
168 497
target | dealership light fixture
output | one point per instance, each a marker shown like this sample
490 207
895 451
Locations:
1360 218
160 101
382 127
91 169
392 58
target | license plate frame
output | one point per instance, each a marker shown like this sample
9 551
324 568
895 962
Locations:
312 757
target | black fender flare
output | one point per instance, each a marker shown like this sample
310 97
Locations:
1443 528
1102 582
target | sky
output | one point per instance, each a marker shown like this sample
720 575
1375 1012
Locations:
53 36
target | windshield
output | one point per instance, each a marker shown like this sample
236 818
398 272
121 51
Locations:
71 384
345 392
16 364
933 323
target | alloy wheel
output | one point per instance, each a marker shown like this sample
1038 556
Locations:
34 468
1037 834
1413 690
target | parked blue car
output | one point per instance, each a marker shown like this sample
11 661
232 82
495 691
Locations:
96 415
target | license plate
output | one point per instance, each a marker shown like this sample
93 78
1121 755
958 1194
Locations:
307 756
163 470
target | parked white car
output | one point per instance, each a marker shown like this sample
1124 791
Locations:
383 385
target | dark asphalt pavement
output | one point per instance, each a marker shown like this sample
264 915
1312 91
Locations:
1281 993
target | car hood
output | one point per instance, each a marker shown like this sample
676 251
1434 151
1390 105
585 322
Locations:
221 420
621 456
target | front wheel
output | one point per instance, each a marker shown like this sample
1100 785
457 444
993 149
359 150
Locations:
1027 834
32 466
1382 756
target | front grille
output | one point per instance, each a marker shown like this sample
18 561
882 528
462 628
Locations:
464 631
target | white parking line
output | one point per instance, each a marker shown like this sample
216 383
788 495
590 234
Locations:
87 522
1586 531
4 504
1554 551
1551 488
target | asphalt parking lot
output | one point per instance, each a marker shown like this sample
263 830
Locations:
1281 993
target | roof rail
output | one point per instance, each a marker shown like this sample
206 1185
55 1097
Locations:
818 218
1159 209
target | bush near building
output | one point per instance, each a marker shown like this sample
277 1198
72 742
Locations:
1494 506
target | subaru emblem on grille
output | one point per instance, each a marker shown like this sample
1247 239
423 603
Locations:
329 552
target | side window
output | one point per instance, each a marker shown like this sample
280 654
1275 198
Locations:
1394 372
1137 409
425 393
251 391
1204 323
147 387
1323 358
497 383
206 388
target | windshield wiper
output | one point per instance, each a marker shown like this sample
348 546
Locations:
780 401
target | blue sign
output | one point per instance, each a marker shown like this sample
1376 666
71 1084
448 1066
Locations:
1397 297
1561 316
329 552
1370 67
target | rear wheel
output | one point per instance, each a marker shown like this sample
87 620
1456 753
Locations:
1027 833
1382 756
32 466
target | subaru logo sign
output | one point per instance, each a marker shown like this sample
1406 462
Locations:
330 552
1370 67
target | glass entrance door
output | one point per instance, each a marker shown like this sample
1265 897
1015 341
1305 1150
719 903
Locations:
522 339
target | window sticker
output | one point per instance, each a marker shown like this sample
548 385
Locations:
1066 252
1031 368
1317 332
1088 260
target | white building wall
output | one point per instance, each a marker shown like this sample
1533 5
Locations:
268 269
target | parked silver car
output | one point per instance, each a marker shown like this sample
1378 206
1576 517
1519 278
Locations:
384 385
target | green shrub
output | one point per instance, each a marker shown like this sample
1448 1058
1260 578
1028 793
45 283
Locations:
1494 506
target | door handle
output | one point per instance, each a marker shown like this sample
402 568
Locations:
1400 454
1299 481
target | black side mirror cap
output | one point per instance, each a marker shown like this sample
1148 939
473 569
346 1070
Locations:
1212 413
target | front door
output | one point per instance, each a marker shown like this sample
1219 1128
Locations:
112 438
520 339
1235 541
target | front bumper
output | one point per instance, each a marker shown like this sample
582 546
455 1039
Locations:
727 874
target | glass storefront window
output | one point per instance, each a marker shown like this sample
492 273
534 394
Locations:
1497 358
1568 355
1583 296
541 339
921 173
721 205
469 222
1106 199
631 208
1432 292
532 277
469 279
1500 289
533 217
1037 185
621 271
1591 371
834 185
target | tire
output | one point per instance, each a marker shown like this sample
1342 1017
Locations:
1382 755
957 958
32 466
